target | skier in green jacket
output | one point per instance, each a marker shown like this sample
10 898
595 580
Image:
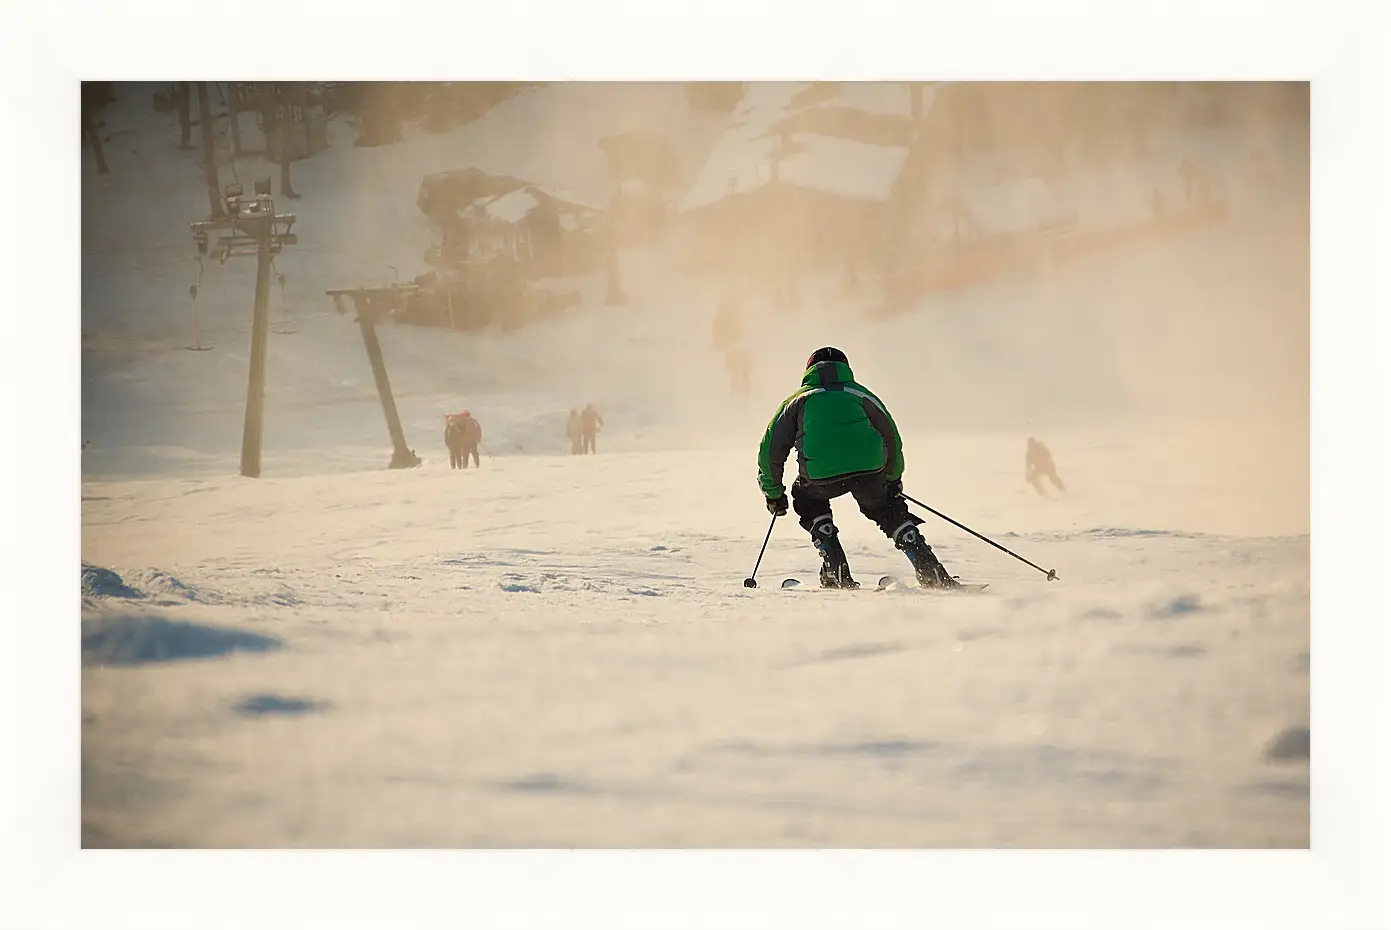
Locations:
846 442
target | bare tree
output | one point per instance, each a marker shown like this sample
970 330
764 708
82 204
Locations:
90 135
216 208
284 121
234 116
183 97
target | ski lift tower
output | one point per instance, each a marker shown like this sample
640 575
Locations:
251 227
371 304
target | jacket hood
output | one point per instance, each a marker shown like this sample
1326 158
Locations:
824 373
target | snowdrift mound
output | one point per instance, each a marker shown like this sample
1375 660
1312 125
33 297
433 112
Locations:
165 588
98 582
159 587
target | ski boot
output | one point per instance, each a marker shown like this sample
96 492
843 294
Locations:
930 571
835 568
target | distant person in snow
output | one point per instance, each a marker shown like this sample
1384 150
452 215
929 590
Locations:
590 424
462 434
727 336
572 431
473 438
454 439
737 364
727 328
1196 184
1038 464
846 442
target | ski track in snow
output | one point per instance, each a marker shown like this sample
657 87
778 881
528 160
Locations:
557 651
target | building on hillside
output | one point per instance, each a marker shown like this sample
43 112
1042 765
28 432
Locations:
969 235
1016 177
804 177
507 255
547 232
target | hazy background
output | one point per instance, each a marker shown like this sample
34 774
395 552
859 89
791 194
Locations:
1190 329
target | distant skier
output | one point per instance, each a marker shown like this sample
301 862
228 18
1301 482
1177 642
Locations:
462 434
572 431
590 424
846 442
738 366
727 327
1038 464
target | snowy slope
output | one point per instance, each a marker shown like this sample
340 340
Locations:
559 653
553 650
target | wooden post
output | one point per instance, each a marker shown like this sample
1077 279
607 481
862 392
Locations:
253 428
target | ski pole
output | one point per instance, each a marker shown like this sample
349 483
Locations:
749 582
1051 573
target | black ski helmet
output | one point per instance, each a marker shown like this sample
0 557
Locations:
827 354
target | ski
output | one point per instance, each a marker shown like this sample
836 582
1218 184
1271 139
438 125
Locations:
794 583
890 582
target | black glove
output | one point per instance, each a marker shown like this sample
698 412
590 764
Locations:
777 506
895 487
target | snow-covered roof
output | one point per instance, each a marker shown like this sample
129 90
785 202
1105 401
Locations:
765 103
741 159
550 135
836 166
844 167
736 165
589 201
513 207
891 98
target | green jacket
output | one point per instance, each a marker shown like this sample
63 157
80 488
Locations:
837 427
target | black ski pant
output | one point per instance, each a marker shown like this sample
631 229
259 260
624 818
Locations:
469 449
455 455
812 501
